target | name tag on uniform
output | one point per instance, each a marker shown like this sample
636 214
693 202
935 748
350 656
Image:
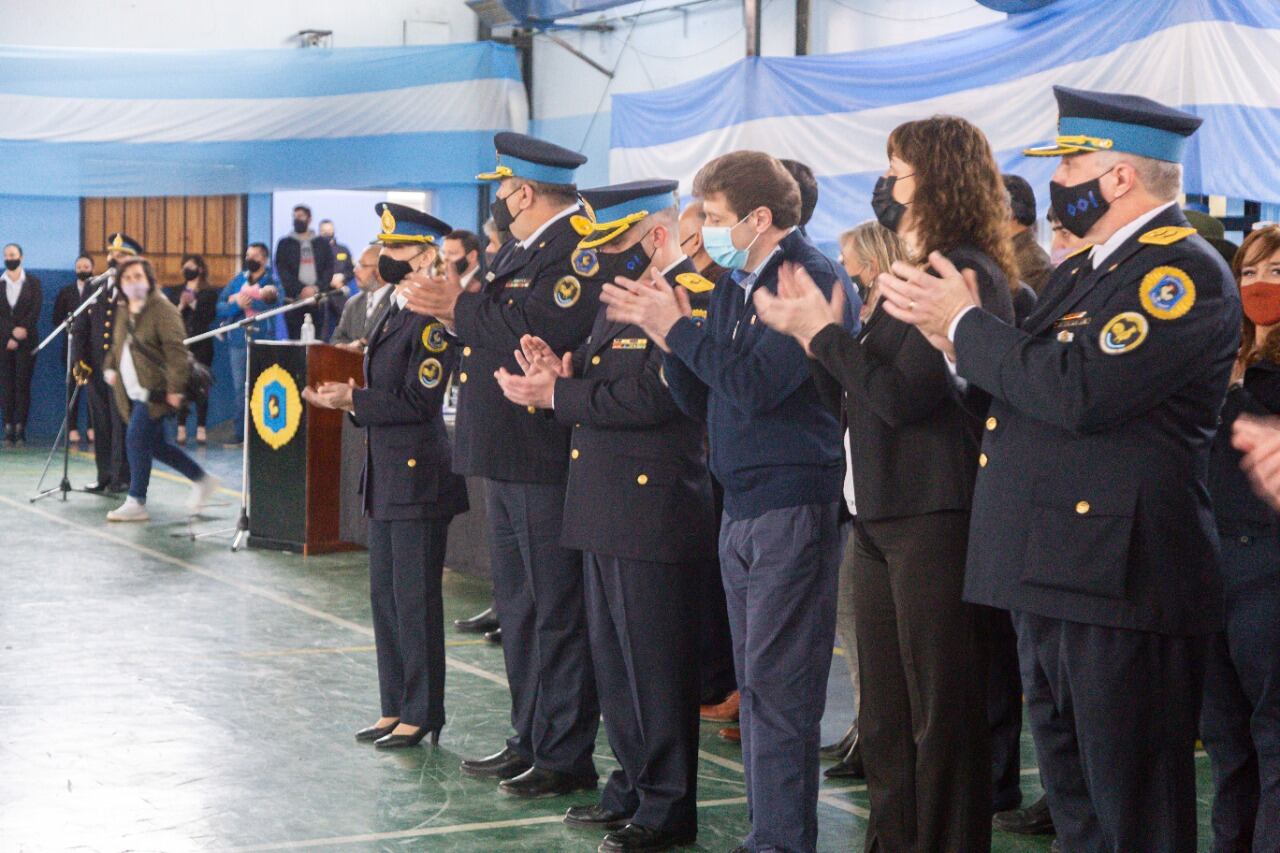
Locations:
1071 321
630 343
518 282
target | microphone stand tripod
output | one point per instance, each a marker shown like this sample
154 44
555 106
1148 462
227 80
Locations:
241 530
71 396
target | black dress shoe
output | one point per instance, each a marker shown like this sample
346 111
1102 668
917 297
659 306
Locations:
849 767
401 741
494 636
501 765
538 784
641 839
1033 820
839 749
595 817
374 732
20 437
482 623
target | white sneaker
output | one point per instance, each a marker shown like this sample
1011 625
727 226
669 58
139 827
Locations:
201 491
131 510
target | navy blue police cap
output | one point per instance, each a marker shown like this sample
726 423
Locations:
122 242
403 224
1104 121
611 210
523 156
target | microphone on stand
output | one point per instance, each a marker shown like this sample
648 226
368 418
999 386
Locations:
102 278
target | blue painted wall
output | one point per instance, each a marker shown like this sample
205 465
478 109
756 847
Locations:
48 229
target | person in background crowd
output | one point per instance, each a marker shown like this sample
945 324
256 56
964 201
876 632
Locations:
198 303
1034 264
494 240
69 298
914 454
252 291
305 267
1105 549
360 314
524 457
343 279
636 454
1064 244
462 259
20 303
780 538
92 340
865 251
1240 717
692 219
410 493
147 370
808 190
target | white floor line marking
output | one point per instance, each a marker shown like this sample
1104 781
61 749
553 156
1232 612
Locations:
712 758
844 806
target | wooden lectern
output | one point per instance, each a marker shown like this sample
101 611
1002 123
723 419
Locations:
295 450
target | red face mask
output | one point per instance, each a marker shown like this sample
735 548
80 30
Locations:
1262 302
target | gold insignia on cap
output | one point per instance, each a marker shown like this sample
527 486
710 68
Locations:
388 221
1166 236
694 283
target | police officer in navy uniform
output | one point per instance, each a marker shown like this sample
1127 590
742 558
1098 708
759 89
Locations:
639 507
523 456
410 491
91 339
1091 517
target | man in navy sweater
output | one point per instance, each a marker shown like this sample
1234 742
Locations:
777 450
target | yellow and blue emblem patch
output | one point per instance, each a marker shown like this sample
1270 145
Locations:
586 262
1167 293
430 373
276 407
1123 333
567 291
433 338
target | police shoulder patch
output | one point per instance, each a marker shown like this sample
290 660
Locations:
694 283
567 291
1167 293
1166 236
1086 247
1123 333
430 373
433 337
342 256
585 262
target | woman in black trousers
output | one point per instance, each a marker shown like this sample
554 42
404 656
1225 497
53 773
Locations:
20 301
410 490
198 300
914 454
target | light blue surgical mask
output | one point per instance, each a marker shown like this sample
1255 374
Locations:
718 241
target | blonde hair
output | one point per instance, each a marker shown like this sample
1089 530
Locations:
876 246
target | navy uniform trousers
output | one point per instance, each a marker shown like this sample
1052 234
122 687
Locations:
642 617
108 432
406 560
1004 709
1113 758
537 588
715 648
1240 719
780 587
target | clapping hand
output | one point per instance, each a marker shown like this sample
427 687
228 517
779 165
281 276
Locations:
430 296
799 309
1259 441
331 395
930 302
651 304
541 368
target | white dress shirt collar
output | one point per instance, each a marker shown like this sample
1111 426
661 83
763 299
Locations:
533 238
1102 251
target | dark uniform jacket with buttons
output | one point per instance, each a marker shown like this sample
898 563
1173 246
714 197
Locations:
638 484
1093 506
407 471
1241 514
913 447
92 330
531 291
25 314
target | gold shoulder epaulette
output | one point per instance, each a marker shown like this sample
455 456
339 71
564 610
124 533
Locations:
1166 236
1086 247
694 283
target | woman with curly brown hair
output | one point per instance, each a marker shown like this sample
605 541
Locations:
914 455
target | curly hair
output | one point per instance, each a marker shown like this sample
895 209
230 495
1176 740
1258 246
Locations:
959 193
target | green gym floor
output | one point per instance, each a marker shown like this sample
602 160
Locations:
160 694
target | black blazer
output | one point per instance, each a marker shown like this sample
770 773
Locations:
638 483
92 334
199 318
25 314
1237 510
1094 505
529 291
69 298
407 473
914 448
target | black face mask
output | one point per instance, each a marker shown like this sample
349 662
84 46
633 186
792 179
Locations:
84 276
252 265
629 263
889 211
502 217
190 274
300 226
391 270
1079 207
12 263
460 266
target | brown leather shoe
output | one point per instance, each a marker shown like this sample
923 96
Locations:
733 734
725 712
